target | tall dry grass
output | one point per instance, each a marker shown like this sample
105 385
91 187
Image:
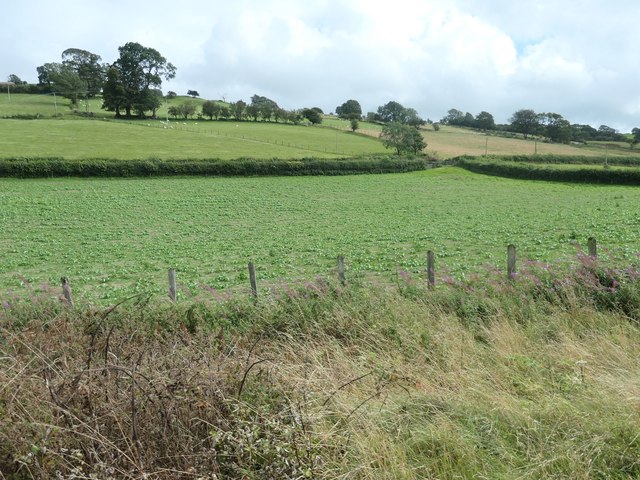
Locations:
489 378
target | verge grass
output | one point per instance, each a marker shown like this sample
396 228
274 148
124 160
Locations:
491 379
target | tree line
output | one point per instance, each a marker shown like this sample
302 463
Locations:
549 125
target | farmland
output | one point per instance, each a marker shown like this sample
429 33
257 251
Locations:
114 237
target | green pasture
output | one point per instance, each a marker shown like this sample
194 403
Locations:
75 139
117 236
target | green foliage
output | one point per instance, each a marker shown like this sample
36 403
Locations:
111 167
312 115
88 68
525 121
349 109
403 138
137 70
531 168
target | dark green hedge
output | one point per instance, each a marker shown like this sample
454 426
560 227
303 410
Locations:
107 167
563 159
528 171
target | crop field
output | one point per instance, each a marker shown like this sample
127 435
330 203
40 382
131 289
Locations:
114 237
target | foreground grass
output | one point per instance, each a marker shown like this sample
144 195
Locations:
116 237
508 380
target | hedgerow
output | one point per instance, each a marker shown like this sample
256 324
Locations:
39 167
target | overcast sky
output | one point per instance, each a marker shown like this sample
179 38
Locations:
578 58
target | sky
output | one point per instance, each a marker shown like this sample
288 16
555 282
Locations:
578 58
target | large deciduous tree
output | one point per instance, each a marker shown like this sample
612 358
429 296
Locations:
349 109
525 121
88 68
403 138
129 79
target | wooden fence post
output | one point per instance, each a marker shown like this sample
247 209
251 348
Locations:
172 285
511 262
593 247
252 280
66 291
431 268
341 276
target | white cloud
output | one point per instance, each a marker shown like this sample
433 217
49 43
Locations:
576 57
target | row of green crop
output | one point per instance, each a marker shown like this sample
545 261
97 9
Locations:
529 171
110 167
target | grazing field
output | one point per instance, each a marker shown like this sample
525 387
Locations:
114 237
77 139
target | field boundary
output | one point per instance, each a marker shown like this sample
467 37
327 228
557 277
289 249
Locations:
49 167
586 169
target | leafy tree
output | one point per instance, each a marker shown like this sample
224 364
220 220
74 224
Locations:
485 121
68 83
453 117
349 109
211 109
253 111
13 78
187 109
88 67
391 112
264 107
556 128
355 124
44 72
412 118
171 94
137 70
150 100
312 115
525 121
402 137
238 109
174 111
193 93
608 134
469 120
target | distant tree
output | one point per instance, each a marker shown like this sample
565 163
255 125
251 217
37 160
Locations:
193 93
13 78
294 116
187 109
171 94
238 109
279 114
68 83
371 117
355 124
583 133
211 109
555 127
225 111
468 120
412 118
525 121
636 135
253 111
484 120
312 115
174 111
454 117
403 138
391 112
137 70
88 67
608 134
150 100
265 107
44 72
436 127
349 109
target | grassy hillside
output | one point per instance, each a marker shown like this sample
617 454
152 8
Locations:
115 237
77 139
533 378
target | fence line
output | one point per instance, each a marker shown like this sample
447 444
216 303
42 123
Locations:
430 270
